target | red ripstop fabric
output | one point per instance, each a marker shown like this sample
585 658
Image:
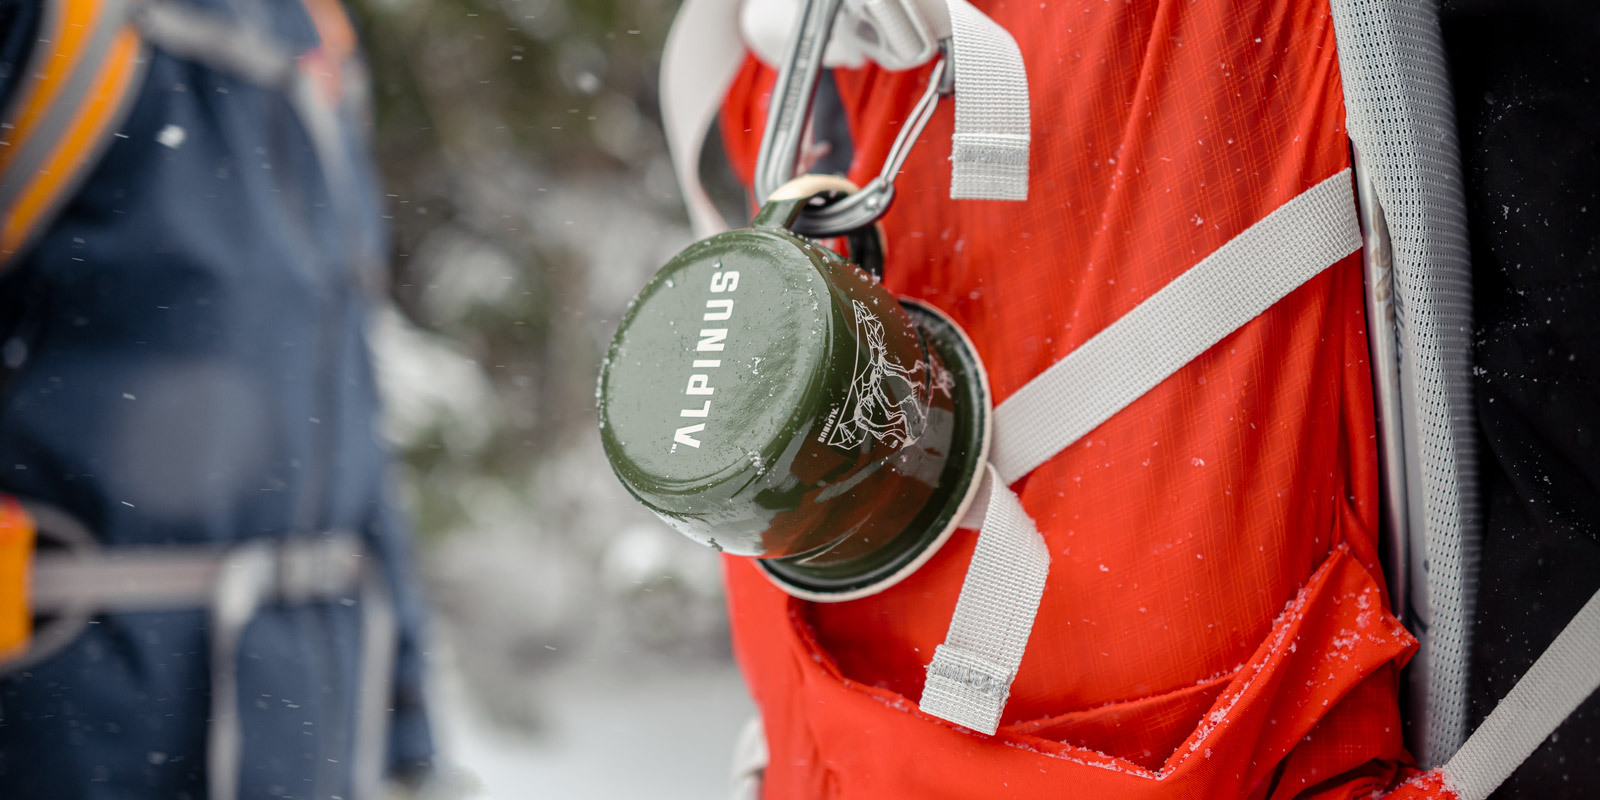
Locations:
1215 622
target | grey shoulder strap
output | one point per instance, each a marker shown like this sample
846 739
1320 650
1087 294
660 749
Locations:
1566 674
1402 123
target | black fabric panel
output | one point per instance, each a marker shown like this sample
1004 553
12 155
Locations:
1527 87
831 127
18 21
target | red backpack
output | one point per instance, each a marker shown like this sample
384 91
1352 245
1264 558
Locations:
1216 621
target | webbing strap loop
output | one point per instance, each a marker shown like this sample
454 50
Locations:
990 146
701 56
1185 318
970 676
1566 674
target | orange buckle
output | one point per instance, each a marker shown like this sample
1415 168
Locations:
16 560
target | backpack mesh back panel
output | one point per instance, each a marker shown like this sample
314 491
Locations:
1401 119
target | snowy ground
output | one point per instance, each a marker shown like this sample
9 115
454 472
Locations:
579 646
652 729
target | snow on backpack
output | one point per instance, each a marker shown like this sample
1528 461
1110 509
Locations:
1393 144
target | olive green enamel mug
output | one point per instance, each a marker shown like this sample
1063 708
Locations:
768 398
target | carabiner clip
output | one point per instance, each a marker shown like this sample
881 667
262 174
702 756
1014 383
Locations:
788 121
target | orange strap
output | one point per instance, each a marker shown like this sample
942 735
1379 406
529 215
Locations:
75 90
16 556
333 26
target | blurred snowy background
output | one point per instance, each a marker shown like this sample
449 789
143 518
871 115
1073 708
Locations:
580 647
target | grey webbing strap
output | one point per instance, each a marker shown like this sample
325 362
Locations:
127 580
298 571
701 56
750 757
379 648
1185 318
243 583
232 585
1566 674
989 150
139 581
246 578
970 676
204 37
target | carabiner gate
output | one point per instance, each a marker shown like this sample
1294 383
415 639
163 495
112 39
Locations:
788 122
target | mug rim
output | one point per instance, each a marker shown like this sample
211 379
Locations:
973 365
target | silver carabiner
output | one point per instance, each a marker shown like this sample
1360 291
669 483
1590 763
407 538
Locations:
788 122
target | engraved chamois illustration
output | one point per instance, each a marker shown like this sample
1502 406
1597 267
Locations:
887 400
